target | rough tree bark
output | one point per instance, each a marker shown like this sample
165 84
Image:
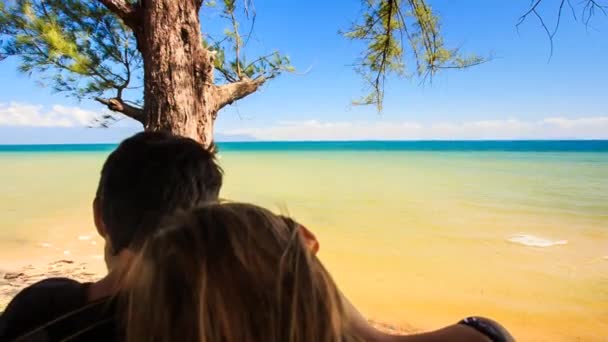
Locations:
179 91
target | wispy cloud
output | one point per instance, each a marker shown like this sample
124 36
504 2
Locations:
548 128
28 115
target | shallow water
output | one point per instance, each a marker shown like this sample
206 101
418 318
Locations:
416 238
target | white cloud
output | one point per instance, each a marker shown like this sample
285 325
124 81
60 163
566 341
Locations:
21 114
548 128
28 115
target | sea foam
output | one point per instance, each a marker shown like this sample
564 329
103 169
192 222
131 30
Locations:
535 241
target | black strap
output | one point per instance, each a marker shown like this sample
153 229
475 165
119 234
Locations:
486 327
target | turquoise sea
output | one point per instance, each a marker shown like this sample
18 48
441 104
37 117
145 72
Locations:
434 145
417 233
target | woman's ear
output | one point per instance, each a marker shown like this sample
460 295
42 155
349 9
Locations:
97 217
309 239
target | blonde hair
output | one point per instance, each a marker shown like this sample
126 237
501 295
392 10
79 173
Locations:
231 272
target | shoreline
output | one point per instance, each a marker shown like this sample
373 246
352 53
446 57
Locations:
13 281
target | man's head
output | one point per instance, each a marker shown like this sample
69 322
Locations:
149 176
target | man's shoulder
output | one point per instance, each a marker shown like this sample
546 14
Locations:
40 303
60 291
51 284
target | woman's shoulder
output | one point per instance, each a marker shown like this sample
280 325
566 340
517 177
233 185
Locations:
471 329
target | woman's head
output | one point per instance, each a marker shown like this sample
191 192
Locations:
231 272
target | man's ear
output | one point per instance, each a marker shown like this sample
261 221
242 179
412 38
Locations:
97 217
309 239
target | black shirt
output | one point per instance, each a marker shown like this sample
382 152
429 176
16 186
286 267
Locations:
56 309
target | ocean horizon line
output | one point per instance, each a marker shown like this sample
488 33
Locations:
548 145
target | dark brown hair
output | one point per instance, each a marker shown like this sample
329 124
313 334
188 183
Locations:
150 176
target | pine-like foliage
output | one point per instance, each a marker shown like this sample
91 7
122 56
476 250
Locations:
76 46
82 49
390 29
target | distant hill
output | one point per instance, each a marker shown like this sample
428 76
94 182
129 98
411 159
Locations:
219 137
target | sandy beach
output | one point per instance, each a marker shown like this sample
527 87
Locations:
423 240
13 281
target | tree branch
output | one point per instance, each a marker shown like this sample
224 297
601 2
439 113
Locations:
530 10
124 10
118 105
231 92
237 44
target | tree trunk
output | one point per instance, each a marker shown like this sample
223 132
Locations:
178 71
179 91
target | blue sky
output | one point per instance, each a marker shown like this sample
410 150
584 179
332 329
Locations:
519 94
